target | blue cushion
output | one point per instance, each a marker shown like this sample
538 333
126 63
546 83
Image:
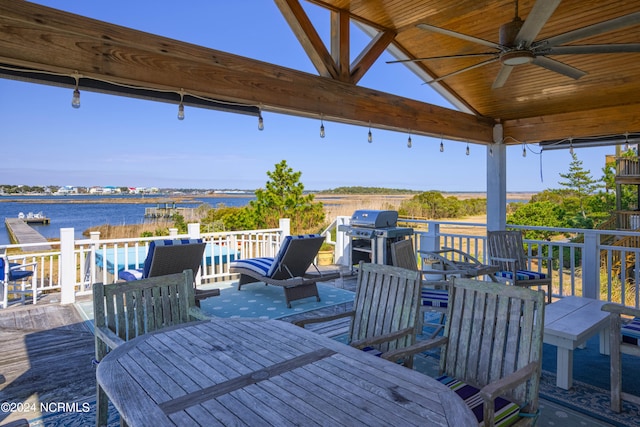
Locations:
372 351
259 265
506 412
130 275
435 297
521 275
14 274
631 331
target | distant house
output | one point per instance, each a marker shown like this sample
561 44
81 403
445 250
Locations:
67 189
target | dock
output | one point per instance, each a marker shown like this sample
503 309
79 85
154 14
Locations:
20 232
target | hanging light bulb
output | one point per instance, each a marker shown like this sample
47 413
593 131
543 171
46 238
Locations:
409 143
441 145
75 101
370 135
524 150
490 150
321 127
571 146
467 150
181 106
260 121
626 143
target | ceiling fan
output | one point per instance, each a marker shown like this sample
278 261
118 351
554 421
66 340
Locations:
518 46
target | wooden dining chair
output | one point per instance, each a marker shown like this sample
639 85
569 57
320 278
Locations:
506 250
624 339
125 310
385 309
491 351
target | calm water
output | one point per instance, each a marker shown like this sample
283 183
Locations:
82 216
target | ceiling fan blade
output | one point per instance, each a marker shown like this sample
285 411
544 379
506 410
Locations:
468 55
539 15
593 48
593 30
558 67
480 64
503 75
459 35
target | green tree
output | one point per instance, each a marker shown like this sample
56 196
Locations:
284 197
581 185
542 213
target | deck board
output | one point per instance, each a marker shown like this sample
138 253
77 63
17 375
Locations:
46 357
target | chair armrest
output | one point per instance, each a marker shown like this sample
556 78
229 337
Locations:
511 381
197 314
321 319
382 338
620 309
501 259
21 266
416 348
108 337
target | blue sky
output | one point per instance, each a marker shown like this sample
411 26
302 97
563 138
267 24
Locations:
128 142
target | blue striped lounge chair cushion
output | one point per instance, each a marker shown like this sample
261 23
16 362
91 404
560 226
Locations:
521 275
266 266
631 331
435 297
506 412
142 273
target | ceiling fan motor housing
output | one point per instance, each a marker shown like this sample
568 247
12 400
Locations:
509 31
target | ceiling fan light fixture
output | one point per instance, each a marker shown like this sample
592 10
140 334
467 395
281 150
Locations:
517 57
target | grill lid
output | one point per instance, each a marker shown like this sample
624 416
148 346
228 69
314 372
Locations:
374 219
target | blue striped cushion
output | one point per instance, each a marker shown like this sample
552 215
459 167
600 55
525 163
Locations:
259 265
506 412
435 297
631 331
521 275
372 351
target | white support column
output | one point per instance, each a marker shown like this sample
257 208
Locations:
67 266
193 230
95 245
497 182
591 265
173 232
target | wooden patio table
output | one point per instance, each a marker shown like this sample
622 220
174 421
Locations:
267 372
568 324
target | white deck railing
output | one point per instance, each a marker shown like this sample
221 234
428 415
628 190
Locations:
582 264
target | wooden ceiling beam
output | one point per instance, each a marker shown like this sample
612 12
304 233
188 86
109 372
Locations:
340 43
308 37
54 41
582 124
370 54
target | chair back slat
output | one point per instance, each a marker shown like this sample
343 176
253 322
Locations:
403 255
507 244
136 308
387 300
493 330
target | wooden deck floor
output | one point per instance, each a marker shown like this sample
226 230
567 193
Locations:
45 356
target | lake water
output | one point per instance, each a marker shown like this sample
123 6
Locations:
82 216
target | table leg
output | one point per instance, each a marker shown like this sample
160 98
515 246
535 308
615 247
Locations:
605 341
564 371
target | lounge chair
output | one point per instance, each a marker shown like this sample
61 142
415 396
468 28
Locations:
170 257
289 268
12 279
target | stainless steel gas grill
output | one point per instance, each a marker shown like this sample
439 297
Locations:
371 233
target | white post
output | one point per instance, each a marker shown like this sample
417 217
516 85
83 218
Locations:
591 265
95 245
285 226
67 266
173 232
193 230
497 182
342 254
430 241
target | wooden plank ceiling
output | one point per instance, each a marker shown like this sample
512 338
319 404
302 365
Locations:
534 104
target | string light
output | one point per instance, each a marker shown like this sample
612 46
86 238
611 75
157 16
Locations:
321 127
626 143
524 150
75 101
571 146
441 145
490 150
260 121
181 106
370 135
409 143
467 150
